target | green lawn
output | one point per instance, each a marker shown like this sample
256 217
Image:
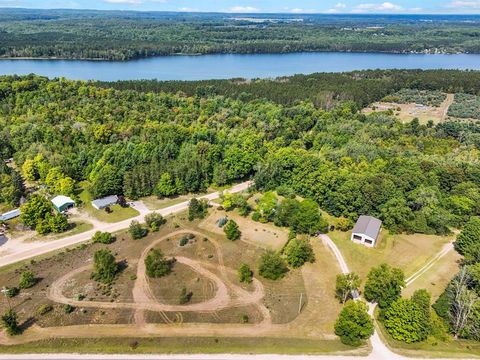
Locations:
192 345
154 203
118 213
407 252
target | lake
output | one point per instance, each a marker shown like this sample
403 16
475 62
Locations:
230 66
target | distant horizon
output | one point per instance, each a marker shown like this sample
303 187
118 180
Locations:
242 13
295 7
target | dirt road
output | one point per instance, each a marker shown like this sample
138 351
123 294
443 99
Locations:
38 248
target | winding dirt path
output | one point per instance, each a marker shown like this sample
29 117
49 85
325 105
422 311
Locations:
144 299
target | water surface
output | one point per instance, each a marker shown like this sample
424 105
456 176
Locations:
229 66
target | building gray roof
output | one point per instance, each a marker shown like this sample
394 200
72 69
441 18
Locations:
104 202
10 215
368 225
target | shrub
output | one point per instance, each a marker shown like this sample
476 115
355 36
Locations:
105 267
245 318
272 266
103 238
232 231
10 323
136 230
157 265
184 241
298 252
154 221
185 296
27 280
68 309
245 274
354 325
44 309
11 292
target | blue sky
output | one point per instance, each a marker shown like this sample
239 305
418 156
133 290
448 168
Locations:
254 6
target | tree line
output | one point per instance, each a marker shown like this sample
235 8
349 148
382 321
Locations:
129 35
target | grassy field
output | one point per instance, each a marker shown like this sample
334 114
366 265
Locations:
118 213
154 203
191 345
407 252
436 279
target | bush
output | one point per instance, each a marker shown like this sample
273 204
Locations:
27 280
245 274
103 238
184 241
11 292
354 325
105 267
272 266
68 309
44 309
298 252
232 231
245 318
185 296
157 265
136 230
154 221
10 323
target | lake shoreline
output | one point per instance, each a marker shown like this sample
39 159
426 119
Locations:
53 58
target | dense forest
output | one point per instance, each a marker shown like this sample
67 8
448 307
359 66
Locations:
74 34
321 89
416 178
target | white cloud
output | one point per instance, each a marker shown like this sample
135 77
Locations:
303 11
340 6
243 9
188 9
475 4
386 6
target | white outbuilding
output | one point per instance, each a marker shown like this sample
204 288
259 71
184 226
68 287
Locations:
366 230
62 203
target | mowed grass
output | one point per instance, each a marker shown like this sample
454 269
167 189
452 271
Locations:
118 213
407 252
154 203
436 278
185 345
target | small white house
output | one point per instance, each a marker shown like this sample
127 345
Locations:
104 202
10 215
366 231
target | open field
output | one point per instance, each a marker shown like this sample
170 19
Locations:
266 236
409 111
436 279
407 252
